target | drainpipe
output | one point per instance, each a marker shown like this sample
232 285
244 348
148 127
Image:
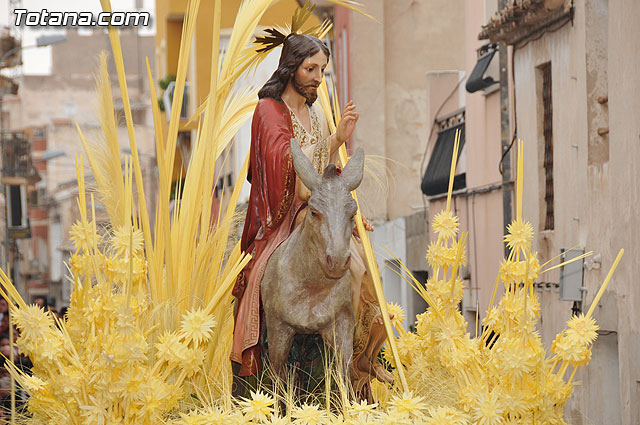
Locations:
507 187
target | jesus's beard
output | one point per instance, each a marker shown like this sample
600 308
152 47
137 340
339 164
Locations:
309 92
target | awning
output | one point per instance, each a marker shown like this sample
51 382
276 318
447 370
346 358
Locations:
477 80
436 178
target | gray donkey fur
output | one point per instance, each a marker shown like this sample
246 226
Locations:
306 288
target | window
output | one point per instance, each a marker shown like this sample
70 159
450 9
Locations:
224 183
39 133
547 132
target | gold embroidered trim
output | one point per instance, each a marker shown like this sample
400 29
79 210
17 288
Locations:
321 155
289 182
321 146
368 312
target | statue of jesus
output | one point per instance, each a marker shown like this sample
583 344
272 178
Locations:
286 110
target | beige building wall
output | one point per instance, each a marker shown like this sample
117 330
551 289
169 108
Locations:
484 208
595 85
622 228
419 52
389 60
479 205
393 64
565 49
367 61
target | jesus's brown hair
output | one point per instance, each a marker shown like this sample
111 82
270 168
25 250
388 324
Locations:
297 47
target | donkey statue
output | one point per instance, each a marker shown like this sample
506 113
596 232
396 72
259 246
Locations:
306 288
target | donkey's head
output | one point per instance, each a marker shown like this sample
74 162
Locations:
331 209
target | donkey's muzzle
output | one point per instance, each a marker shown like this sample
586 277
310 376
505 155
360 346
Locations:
336 266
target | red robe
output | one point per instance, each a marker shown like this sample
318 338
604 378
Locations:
273 205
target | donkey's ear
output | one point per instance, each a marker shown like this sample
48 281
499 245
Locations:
304 167
353 171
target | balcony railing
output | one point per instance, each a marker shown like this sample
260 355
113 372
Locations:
16 154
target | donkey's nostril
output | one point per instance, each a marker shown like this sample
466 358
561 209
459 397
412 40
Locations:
348 261
329 262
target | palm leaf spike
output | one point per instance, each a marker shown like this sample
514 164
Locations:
162 208
354 6
300 16
247 19
271 41
564 263
372 266
207 131
209 127
520 179
117 51
377 283
404 272
173 274
319 31
239 109
195 208
458 260
207 201
254 53
232 107
188 216
168 150
277 35
595 301
233 202
329 110
238 57
454 161
108 157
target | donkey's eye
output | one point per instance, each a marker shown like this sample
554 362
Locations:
314 213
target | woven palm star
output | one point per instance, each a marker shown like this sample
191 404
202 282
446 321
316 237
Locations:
520 235
125 238
33 322
308 415
446 224
408 405
397 312
446 416
83 236
582 329
258 407
197 326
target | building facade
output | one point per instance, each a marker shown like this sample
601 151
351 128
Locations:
404 71
46 108
575 101
568 84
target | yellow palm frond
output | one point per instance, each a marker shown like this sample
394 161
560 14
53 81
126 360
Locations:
354 6
331 112
301 15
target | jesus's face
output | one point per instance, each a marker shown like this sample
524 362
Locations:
308 76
